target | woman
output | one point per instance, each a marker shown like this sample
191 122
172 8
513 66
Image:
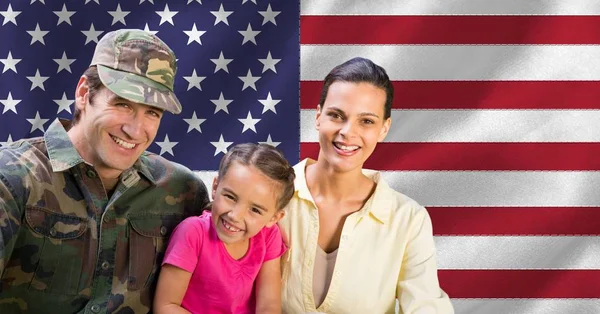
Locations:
357 245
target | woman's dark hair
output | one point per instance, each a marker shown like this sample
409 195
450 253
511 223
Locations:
361 70
94 85
268 160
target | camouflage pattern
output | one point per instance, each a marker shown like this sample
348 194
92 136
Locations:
66 247
138 66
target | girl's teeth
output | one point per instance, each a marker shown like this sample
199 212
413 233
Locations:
123 143
230 227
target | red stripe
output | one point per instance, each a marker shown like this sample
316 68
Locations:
480 94
519 29
520 283
530 221
477 156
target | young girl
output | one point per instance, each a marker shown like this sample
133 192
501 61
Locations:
227 260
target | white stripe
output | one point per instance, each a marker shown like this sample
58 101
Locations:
460 62
481 126
498 188
526 306
490 188
441 7
518 252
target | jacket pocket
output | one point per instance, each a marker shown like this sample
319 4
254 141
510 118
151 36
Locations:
149 236
50 252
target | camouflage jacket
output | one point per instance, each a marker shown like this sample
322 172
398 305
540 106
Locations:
65 247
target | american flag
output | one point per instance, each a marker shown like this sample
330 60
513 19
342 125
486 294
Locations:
495 119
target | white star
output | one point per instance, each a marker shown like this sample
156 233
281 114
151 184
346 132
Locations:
32 1
64 15
221 63
269 15
37 35
244 1
8 141
269 103
221 15
64 63
64 103
249 80
249 123
118 15
10 15
194 35
221 146
269 141
249 35
166 146
269 63
10 104
151 1
221 103
190 1
147 29
194 123
37 123
10 63
194 80
97 1
166 15
37 80
92 34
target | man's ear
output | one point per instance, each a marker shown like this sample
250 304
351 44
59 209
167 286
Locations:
317 124
215 183
276 218
82 93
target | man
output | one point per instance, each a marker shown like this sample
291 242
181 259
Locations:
85 212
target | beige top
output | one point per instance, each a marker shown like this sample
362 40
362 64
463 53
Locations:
386 253
324 264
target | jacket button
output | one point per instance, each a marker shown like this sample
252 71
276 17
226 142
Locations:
95 308
91 173
163 230
105 265
53 232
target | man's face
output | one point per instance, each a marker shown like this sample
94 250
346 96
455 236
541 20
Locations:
114 132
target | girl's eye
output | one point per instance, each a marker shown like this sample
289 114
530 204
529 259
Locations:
367 121
229 196
256 210
124 105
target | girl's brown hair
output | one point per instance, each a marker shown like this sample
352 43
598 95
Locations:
268 160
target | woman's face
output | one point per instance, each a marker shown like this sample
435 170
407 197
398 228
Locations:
350 123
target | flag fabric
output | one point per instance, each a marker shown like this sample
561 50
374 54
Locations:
495 128
237 78
495 122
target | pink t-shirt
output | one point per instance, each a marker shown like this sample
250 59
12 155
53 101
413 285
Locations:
219 283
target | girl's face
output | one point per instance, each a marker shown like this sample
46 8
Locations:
350 123
244 202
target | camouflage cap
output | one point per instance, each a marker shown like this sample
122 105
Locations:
138 66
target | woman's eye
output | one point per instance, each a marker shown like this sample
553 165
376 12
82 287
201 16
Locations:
367 121
256 210
229 196
124 105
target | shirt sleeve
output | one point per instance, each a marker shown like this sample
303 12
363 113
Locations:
185 245
11 212
418 289
274 243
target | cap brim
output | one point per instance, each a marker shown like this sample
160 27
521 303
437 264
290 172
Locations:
139 89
